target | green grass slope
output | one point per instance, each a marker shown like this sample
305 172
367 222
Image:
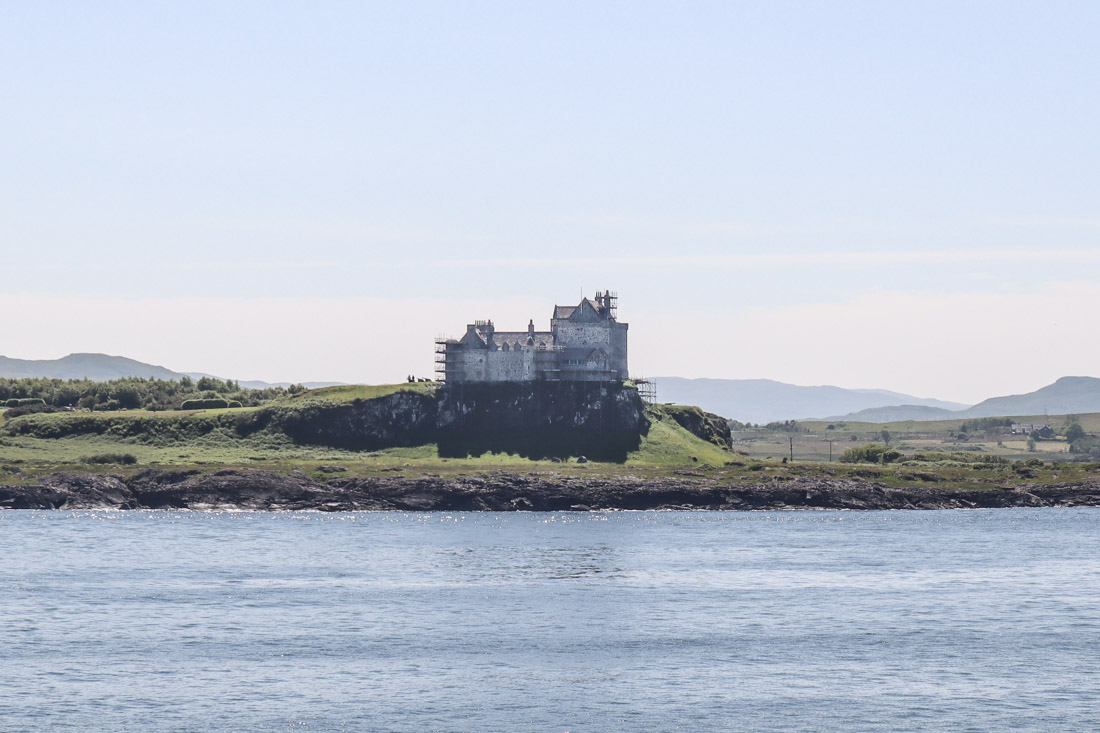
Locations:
249 436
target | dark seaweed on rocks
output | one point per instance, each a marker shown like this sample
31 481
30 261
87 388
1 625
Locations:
501 491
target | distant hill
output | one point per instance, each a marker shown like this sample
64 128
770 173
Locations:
1066 396
765 400
103 368
899 413
98 367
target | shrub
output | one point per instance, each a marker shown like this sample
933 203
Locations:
985 423
133 392
870 453
1075 432
122 458
786 426
208 404
958 458
1085 446
24 401
29 410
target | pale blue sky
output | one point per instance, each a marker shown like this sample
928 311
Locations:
719 164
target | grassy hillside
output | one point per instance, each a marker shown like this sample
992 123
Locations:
212 440
350 392
255 436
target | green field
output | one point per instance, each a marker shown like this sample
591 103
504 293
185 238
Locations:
814 440
34 445
75 440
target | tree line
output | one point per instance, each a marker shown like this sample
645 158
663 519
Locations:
132 393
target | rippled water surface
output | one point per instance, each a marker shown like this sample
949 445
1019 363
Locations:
149 621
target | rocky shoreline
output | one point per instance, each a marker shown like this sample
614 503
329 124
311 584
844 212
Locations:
256 490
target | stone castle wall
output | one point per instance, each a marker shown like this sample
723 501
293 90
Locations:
585 343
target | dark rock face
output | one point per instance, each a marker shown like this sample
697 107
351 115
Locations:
398 420
602 421
263 491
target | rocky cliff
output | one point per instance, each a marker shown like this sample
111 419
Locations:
536 419
541 419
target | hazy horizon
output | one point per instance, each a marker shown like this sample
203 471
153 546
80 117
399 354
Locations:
894 197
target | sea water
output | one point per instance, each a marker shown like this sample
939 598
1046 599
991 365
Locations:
624 621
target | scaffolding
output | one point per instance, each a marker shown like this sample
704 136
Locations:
445 361
647 389
610 301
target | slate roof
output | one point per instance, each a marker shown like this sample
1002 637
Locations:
564 311
519 338
568 311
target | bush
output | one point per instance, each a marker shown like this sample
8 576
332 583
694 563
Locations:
208 404
134 392
958 458
986 424
786 426
1086 446
29 410
122 458
870 453
1075 432
24 401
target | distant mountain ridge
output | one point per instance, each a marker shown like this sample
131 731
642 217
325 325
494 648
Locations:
104 367
765 400
1065 396
99 367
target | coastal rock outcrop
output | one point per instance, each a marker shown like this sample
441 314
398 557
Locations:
503 491
703 425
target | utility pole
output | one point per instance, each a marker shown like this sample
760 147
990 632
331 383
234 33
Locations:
830 450
791 438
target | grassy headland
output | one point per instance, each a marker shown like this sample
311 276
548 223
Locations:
259 437
268 439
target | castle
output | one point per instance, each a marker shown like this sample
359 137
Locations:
585 343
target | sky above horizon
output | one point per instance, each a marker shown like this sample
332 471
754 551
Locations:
877 195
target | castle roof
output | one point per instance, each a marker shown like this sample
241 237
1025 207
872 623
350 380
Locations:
565 312
519 338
